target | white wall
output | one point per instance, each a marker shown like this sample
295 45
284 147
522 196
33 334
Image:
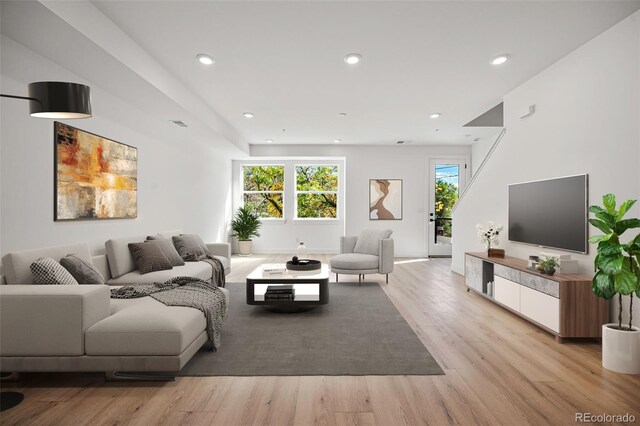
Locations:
479 151
371 162
586 120
182 183
283 235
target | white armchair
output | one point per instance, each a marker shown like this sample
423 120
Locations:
370 253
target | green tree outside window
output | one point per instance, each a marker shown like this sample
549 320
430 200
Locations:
317 192
263 189
446 198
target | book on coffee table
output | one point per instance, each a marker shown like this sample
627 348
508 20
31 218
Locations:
274 268
281 289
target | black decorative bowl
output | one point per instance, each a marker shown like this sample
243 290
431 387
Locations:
304 265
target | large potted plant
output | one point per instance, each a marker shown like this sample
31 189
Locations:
617 266
245 225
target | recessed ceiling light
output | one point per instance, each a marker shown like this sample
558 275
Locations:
205 59
353 58
435 115
337 141
248 115
269 140
500 59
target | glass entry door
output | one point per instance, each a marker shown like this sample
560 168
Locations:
447 178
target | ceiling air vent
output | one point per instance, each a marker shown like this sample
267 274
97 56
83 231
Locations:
179 123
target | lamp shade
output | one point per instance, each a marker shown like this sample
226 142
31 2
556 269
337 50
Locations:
58 99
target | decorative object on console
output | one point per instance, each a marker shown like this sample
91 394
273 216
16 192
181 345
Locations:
46 270
57 99
549 265
385 199
489 235
84 272
245 225
617 272
495 252
96 177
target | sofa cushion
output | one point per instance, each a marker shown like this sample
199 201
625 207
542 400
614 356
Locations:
354 261
188 247
144 326
149 257
200 270
47 271
17 264
83 271
168 249
120 260
368 240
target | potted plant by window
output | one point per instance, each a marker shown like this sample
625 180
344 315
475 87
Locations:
617 267
245 225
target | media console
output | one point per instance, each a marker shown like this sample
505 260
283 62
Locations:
562 304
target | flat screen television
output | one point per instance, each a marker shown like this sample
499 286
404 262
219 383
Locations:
550 213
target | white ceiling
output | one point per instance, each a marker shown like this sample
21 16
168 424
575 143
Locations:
283 61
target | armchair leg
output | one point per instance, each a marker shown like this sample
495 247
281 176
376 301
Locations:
336 277
387 278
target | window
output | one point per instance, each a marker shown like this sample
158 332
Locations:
316 192
263 188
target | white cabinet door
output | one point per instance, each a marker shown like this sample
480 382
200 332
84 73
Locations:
507 292
541 308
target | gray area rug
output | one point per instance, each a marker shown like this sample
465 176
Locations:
360 332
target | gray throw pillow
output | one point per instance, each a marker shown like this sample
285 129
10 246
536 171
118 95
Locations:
201 243
367 242
188 247
148 257
46 270
168 249
81 270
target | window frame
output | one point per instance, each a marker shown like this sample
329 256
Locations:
297 192
283 192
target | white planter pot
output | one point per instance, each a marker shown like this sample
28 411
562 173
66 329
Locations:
621 349
244 246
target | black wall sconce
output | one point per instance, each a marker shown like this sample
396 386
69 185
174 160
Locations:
57 99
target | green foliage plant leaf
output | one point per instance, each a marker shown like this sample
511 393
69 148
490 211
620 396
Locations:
624 208
609 202
623 225
600 225
603 286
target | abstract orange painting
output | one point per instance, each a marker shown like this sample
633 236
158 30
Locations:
96 177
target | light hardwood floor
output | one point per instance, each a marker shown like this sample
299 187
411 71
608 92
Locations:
499 370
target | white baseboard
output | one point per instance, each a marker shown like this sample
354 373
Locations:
292 253
458 270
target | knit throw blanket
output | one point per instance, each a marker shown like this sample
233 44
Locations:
217 276
185 291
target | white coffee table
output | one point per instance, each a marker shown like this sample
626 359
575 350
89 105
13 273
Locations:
312 288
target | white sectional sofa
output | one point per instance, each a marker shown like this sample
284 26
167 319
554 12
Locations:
58 328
